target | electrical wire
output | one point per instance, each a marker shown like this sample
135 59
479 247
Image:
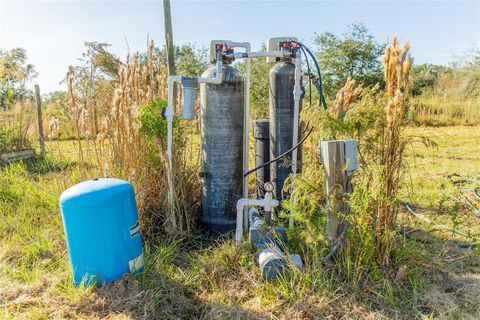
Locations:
310 75
337 244
263 165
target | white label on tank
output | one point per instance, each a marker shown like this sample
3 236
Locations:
135 230
136 263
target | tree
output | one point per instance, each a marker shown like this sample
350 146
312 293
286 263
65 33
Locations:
94 80
468 59
426 76
259 87
354 54
15 72
190 60
259 84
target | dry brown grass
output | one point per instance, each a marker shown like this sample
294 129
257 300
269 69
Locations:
348 96
16 126
119 148
345 97
397 65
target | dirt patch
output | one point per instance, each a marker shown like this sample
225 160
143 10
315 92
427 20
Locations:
454 297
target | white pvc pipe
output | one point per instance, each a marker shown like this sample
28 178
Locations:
297 93
268 203
261 54
219 74
245 45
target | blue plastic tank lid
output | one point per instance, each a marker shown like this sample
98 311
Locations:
94 192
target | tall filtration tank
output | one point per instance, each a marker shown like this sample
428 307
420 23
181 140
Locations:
222 108
281 103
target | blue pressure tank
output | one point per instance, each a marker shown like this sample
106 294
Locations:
102 231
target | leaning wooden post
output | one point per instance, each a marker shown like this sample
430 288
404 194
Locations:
167 18
41 138
339 158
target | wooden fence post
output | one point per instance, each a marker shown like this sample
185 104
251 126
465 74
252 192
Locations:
167 17
335 185
41 138
339 158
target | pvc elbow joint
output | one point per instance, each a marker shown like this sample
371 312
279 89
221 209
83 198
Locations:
242 203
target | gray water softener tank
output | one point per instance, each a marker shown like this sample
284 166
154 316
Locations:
281 107
222 110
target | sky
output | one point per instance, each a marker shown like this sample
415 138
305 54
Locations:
53 33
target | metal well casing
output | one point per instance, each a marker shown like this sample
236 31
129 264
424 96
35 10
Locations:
222 111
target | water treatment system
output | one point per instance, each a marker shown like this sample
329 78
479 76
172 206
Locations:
227 204
103 252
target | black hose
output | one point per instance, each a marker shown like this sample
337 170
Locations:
263 165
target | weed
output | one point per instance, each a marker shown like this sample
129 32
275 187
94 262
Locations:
131 144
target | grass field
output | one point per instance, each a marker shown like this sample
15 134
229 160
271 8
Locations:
196 279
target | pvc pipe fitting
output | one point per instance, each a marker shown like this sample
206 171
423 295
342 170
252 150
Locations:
268 204
189 85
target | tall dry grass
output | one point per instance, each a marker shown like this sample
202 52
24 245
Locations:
345 98
397 65
446 109
16 125
375 119
454 98
130 144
